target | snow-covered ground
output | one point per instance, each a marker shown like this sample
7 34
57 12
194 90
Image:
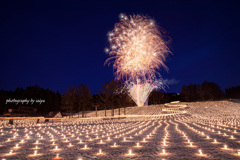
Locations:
199 130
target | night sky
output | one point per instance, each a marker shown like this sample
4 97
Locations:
56 44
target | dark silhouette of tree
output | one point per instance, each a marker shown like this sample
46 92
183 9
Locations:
156 97
102 98
195 92
65 103
4 95
206 91
122 97
52 99
57 102
69 99
107 96
191 92
233 92
76 99
184 94
211 91
96 103
84 99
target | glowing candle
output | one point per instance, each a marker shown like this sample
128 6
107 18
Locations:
100 151
10 152
200 151
114 144
57 156
163 151
137 144
225 146
85 146
130 152
35 153
56 147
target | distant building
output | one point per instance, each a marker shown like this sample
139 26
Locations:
56 114
21 111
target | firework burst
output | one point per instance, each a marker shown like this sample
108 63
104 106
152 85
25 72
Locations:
137 48
137 51
139 92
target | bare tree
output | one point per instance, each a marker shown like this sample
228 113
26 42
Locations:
69 100
102 97
107 95
84 99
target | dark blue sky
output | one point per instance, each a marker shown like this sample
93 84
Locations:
56 44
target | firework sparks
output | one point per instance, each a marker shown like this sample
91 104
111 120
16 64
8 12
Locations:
139 92
137 49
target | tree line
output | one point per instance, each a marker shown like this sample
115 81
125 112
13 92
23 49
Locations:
233 92
80 99
207 91
112 95
52 99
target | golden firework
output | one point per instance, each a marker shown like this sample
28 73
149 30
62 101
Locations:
137 48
